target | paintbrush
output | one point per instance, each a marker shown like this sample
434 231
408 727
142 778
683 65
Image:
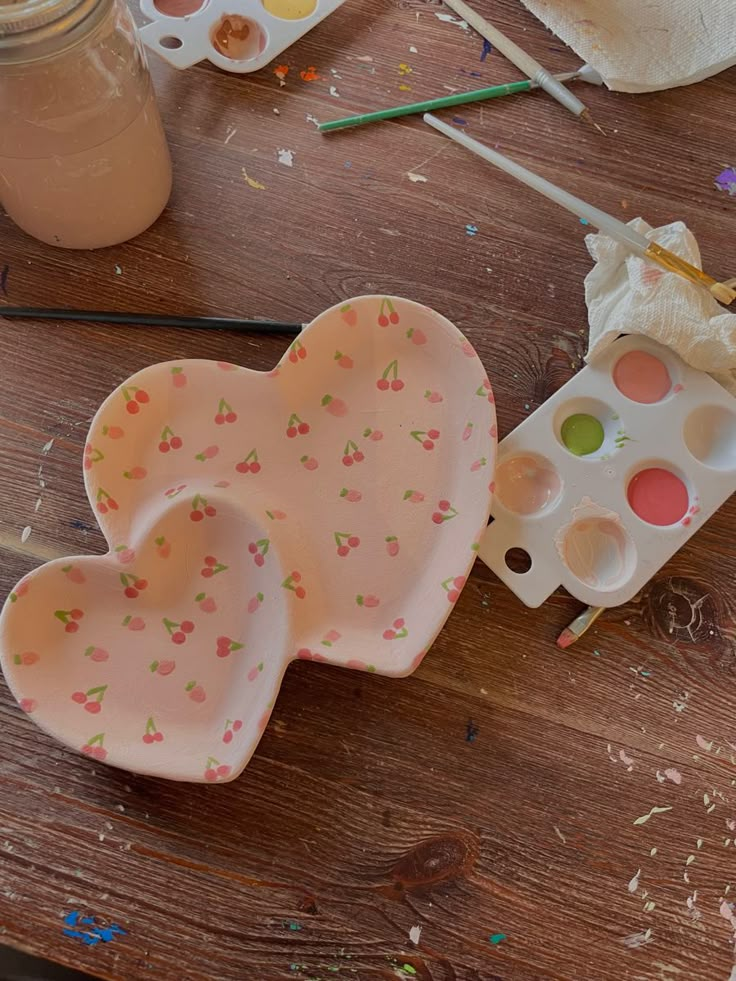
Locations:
609 225
523 61
152 320
579 625
443 102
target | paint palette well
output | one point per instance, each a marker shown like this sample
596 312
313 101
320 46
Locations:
236 35
605 482
328 510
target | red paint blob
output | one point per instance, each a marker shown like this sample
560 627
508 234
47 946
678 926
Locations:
658 497
641 377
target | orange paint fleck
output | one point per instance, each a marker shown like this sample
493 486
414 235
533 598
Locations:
310 74
281 71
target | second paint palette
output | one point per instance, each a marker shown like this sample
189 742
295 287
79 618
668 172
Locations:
605 482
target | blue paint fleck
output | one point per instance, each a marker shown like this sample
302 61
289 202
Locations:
80 525
596 653
726 181
584 221
348 164
471 230
476 74
292 925
487 49
471 731
496 938
92 936
459 121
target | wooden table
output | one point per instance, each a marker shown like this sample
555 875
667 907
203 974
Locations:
368 809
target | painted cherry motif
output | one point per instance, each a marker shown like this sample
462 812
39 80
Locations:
208 453
74 574
349 315
297 352
467 432
113 432
452 587
397 631
369 600
433 397
345 541
390 378
343 360
309 462
351 454
293 583
177 631
178 378
276 515
90 699
214 770
196 692
336 407
206 603
28 705
135 473
123 554
484 390
105 503
94 748
296 426
27 658
330 638
226 646
416 336
255 671
445 512
231 727
392 545
426 437
169 440
91 456
249 464
413 496
478 464
201 509
392 317
98 654
151 734
20 590
163 547
134 623
225 414
162 668
70 619
134 398
132 584
351 495
254 602
374 435
173 492
259 551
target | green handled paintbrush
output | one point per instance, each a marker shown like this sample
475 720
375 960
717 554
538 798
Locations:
461 98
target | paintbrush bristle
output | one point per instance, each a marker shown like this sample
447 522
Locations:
586 117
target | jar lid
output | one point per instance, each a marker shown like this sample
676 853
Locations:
18 17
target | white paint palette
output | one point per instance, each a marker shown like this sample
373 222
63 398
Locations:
605 482
236 35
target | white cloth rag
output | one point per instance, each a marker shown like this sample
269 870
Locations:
642 47
629 295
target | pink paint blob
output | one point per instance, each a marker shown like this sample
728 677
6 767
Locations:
527 484
658 496
641 377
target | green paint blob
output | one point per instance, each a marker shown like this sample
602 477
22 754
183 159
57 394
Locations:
496 938
582 434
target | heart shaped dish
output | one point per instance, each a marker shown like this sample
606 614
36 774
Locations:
329 510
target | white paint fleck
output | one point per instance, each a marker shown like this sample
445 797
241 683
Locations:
118 270
276 112
655 810
334 93
727 913
649 906
689 860
449 19
231 131
26 533
699 843
706 744
560 835
417 178
366 58
46 448
635 940
711 809
312 119
731 825
660 777
286 158
626 760
653 852
674 775
414 934
413 50
38 505
634 881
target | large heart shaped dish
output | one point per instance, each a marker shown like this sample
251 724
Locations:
329 510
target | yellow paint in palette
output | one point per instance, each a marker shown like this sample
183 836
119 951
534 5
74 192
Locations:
290 9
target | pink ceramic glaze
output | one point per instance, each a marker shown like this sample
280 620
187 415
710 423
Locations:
327 510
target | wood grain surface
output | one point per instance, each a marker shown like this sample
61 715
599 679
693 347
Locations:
496 792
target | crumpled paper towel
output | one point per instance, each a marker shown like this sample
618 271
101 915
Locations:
644 47
626 294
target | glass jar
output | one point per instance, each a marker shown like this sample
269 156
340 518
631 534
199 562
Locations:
83 157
